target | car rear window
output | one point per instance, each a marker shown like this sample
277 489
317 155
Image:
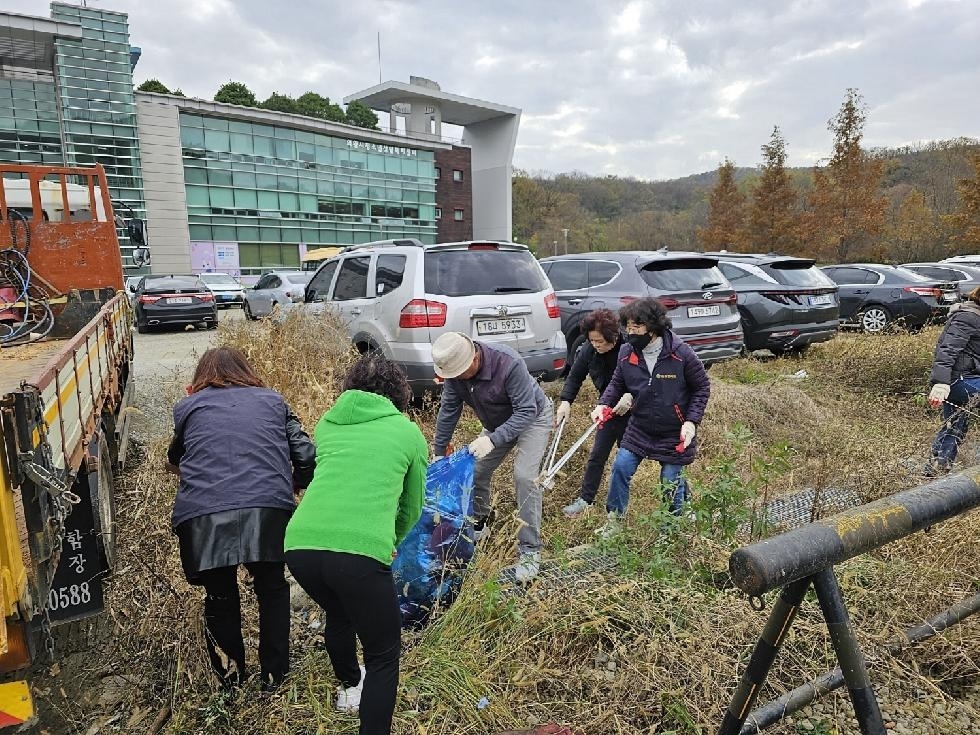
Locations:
482 272
800 273
677 274
218 278
171 285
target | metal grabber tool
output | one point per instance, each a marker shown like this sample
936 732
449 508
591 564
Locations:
547 477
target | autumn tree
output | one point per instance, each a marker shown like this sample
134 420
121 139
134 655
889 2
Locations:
966 219
772 224
845 209
236 93
913 231
726 213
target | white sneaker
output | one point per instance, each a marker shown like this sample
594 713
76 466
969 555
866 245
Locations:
528 566
349 699
577 507
612 527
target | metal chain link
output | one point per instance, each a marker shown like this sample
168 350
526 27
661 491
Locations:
58 487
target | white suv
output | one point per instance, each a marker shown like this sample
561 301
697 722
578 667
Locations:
397 296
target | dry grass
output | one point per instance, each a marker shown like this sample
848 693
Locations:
630 653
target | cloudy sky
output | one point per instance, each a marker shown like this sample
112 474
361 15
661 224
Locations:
656 89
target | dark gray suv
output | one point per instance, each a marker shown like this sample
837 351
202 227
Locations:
786 303
700 302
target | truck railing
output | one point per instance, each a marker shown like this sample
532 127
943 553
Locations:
806 556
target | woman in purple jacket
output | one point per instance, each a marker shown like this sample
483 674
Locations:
668 389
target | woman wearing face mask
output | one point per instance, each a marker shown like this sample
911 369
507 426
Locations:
596 359
668 390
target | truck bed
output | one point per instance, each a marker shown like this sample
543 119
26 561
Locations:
24 362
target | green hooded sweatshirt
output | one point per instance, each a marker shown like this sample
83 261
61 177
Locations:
369 483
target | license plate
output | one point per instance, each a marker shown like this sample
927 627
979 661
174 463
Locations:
824 299
179 300
500 326
950 297
704 310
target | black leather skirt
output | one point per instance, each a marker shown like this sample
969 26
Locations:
230 538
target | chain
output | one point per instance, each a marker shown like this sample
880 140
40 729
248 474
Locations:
39 466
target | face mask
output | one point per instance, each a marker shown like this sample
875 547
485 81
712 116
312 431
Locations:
640 341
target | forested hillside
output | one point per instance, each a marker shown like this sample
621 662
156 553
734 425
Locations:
893 205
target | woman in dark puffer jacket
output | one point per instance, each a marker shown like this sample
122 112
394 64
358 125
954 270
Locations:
669 391
955 380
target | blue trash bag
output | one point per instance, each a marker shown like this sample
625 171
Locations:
431 559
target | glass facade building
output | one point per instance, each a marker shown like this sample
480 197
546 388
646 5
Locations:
29 128
271 189
94 76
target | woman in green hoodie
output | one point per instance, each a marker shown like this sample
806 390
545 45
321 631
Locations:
366 495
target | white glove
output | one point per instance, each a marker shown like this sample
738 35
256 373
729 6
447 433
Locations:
481 446
624 405
687 433
563 412
938 394
596 414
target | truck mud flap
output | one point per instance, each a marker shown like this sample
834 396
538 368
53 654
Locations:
76 591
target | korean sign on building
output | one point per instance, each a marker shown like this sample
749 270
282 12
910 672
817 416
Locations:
393 150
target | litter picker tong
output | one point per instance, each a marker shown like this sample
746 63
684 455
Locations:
547 477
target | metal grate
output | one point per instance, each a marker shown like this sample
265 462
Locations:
806 506
580 568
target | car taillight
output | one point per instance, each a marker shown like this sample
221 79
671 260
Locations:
731 298
626 299
144 299
669 303
423 313
205 296
923 291
551 304
558 363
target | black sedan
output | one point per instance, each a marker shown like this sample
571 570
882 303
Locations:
162 300
874 296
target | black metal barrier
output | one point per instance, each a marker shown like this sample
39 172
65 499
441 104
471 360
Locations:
806 556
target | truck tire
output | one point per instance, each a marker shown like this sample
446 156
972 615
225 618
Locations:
103 491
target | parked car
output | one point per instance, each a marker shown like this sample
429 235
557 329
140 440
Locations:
700 302
174 299
786 303
874 296
963 260
967 277
398 296
281 288
228 290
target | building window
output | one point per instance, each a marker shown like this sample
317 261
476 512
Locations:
457 175
438 213
458 215
438 173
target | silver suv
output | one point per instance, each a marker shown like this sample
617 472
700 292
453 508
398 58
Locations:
700 301
397 296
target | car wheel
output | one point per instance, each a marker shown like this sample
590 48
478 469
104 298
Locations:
248 312
573 351
875 319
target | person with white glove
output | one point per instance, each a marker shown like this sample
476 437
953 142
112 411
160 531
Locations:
516 416
666 390
624 404
687 433
563 412
596 359
481 446
938 395
955 380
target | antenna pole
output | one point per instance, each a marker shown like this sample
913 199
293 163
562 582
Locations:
379 57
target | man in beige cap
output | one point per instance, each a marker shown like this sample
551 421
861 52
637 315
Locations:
494 381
